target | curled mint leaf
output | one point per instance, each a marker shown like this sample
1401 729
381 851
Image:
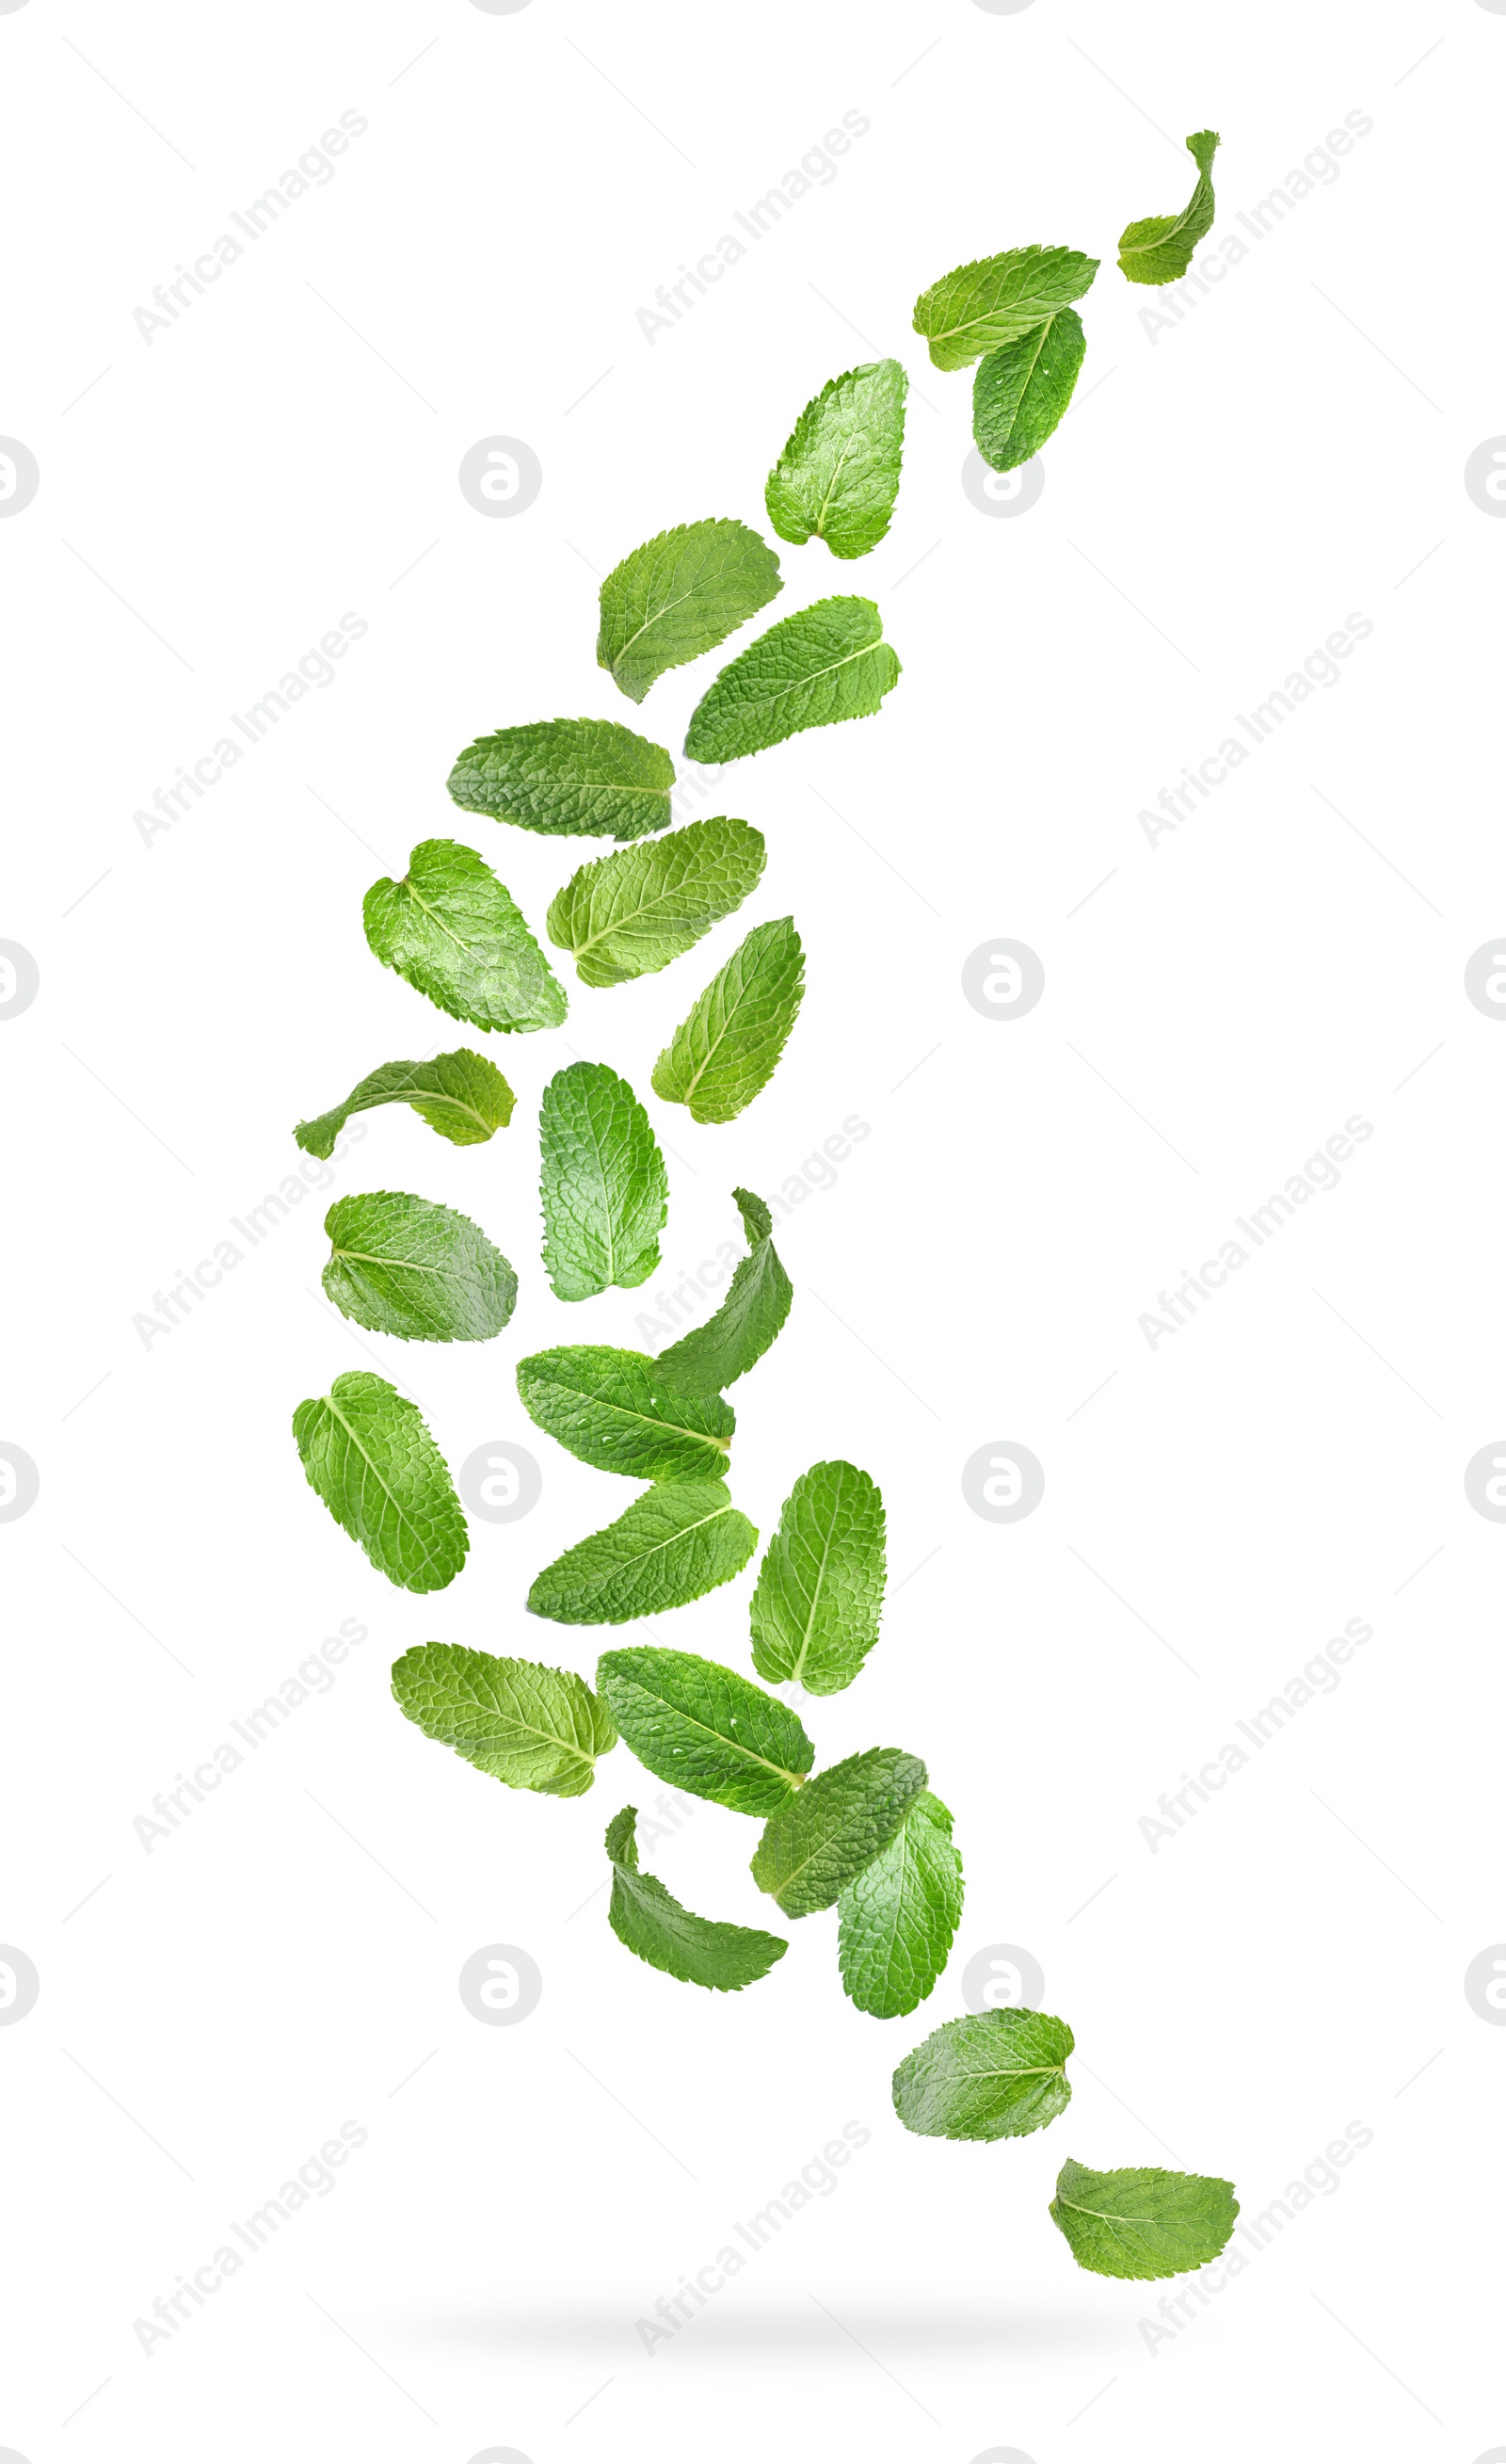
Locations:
533 1727
727 1049
829 663
655 1927
604 1190
618 1411
678 595
841 1821
896 1920
450 930
567 776
820 1587
997 2074
367 1452
675 1544
838 474
1140 2222
1022 391
406 1267
461 1095
1160 248
755 1307
998 300
629 913
704 1729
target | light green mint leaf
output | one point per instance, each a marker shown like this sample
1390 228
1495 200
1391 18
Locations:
459 1094
602 1183
630 914
675 1543
1160 248
580 776
820 1587
895 1922
757 1305
618 1411
830 662
367 1454
534 1728
449 930
406 1267
1142 2222
728 1047
838 475
697 1950
994 2075
1020 392
841 1821
704 1728
679 595
998 299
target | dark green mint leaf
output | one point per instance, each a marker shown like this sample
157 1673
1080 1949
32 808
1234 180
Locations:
757 1305
1022 391
841 1821
618 1411
703 1728
695 1949
675 1543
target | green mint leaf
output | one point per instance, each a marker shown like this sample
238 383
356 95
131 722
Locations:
998 299
704 1728
406 1267
820 1587
675 1543
602 1183
618 1411
838 475
1160 248
757 1305
459 1094
830 662
628 914
580 776
1020 392
541 1728
994 2075
1142 2222
678 595
895 1922
727 1049
696 1949
449 930
367 1454
841 1821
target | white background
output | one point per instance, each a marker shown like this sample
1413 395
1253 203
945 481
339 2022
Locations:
1223 497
